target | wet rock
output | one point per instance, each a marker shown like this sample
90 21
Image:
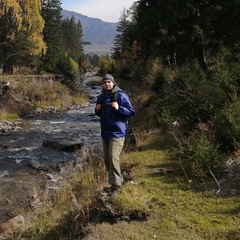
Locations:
43 167
35 165
63 145
5 173
7 127
12 225
52 109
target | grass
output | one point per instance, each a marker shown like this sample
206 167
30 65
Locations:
7 115
165 205
177 213
27 94
173 212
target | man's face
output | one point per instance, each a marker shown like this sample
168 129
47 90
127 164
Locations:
108 84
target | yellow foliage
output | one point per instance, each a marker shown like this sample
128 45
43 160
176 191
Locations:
25 15
16 13
74 65
39 45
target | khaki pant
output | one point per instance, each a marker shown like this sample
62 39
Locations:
112 149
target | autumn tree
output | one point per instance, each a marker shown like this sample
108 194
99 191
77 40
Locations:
21 32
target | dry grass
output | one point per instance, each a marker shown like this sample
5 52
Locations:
7 115
28 93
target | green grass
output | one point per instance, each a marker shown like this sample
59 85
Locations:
174 212
7 115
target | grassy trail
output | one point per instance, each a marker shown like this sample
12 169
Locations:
175 210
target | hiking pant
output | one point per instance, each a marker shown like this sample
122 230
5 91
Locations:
112 149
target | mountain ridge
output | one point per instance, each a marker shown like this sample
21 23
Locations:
99 33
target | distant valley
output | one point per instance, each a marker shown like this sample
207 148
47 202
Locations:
101 34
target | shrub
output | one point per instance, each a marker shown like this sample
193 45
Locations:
70 68
106 65
199 152
185 97
227 125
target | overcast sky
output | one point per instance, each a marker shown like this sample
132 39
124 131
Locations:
106 10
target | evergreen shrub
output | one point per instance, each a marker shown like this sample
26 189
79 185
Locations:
196 99
227 125
199 152
185 96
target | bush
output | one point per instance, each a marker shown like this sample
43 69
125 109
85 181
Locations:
70 68
199 152
106 65
185 97
227 125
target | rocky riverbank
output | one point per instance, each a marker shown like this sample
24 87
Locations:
37 152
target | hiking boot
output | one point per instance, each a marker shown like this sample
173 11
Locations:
107 189
114 189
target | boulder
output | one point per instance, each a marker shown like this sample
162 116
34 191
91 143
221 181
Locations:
63 145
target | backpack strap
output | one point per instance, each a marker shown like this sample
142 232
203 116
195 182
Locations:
115 96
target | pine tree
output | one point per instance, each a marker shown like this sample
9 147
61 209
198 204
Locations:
124 40
73 34
53 34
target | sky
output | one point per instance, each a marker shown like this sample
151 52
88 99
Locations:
106 10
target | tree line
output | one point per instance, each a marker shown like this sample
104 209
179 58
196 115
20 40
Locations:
34 35
179 32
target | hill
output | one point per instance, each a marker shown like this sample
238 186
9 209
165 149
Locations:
99 33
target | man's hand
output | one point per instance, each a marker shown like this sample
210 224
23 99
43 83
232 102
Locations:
99 106
115 105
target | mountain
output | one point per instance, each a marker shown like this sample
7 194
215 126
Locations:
99 33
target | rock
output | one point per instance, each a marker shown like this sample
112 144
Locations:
4 86
12 225
35 165
43 167
54 178
7 126
5 173
63 145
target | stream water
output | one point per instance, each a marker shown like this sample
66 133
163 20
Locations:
18 180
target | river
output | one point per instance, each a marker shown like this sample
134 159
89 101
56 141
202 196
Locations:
19 181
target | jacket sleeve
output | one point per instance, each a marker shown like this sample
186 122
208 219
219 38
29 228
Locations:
125 107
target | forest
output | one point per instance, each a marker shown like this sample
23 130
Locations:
188 53
34 36
179 60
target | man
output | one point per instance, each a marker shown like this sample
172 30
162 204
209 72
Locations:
114 108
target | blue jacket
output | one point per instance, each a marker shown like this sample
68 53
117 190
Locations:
114 122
